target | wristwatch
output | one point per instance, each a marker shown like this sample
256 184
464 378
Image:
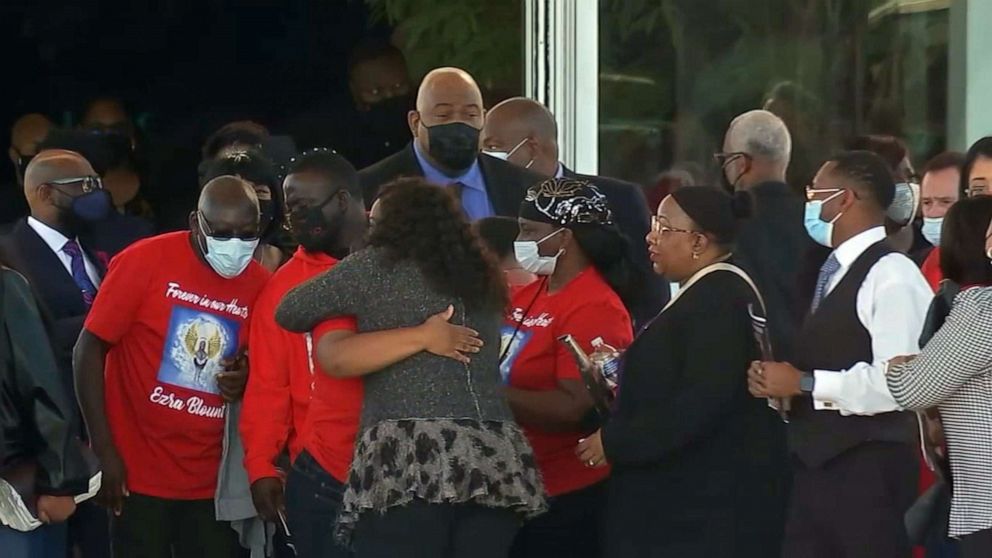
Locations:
807 382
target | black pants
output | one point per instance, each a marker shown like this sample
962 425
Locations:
976 545
156 528
422 530
313 499
570 529
853 506
89 531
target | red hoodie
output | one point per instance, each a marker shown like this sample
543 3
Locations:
282 376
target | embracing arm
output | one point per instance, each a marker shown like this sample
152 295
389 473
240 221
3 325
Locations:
346 354
952 356
333 293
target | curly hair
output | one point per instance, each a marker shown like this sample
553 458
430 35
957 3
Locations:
424 223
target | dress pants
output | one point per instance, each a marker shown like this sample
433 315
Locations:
151 527
422 530
976 545
571 528
89 530
853 506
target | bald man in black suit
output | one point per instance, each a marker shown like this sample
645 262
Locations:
524 132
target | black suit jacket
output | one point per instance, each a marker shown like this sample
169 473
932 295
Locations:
632 215
59 299
776 251
506 183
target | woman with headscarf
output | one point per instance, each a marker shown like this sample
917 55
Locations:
569 239
440 469
698 464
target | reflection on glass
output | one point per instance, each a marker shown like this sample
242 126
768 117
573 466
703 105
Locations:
482 37
674 73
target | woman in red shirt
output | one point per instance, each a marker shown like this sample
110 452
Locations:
568 237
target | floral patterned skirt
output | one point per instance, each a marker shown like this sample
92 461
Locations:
440 461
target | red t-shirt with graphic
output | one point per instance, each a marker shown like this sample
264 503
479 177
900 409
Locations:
170 320
534 359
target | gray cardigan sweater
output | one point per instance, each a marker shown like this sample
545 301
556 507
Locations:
384 295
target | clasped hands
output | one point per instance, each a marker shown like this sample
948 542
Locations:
773 379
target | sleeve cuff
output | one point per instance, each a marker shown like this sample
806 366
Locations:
827 390
259 469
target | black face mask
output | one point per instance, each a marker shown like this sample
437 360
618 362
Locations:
313 230
388 116
454 145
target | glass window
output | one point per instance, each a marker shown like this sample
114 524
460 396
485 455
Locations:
674 73
482 37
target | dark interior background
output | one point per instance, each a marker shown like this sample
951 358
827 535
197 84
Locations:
182 68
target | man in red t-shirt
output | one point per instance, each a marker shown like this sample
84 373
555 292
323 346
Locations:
159 357
327 217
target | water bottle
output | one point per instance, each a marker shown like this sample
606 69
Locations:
607 358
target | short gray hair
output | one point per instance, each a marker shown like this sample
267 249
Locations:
760 134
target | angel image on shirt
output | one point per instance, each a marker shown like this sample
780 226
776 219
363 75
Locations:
196 344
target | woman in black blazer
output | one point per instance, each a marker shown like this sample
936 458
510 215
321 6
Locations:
697 462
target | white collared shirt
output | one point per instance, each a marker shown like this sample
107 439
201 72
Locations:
561 171
56 241
892 304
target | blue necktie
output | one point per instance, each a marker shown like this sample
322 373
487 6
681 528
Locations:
829 269
79 276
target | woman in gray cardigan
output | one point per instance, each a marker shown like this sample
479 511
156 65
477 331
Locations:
440 468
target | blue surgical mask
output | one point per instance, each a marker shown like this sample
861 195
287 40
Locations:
931 229
529 256
905 203
819 230
229 257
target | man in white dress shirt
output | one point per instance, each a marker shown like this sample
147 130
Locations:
855 461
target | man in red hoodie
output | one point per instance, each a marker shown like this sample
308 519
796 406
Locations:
289 404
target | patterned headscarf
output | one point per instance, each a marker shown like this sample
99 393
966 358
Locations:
565 202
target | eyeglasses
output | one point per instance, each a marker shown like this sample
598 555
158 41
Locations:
813 192
723 158
206 229
89 183
661 229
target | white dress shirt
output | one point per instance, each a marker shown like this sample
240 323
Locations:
56 241
560 172
892 305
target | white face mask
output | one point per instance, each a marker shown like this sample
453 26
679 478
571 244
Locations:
228 257
529 256
931 229
505 155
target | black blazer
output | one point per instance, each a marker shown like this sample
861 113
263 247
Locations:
775 249
632 215
687 441
506 183
59 299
